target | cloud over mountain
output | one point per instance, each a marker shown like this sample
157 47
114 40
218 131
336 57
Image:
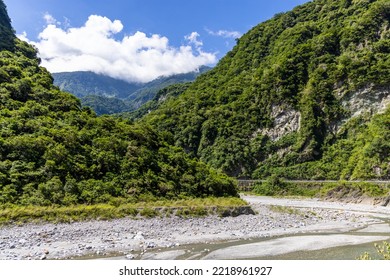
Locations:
225 33
95 47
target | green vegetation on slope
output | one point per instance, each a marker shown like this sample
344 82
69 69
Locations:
84 83
107 95
340 190
151 89
306 63
54 152
7 35
162 96
102 105
361 152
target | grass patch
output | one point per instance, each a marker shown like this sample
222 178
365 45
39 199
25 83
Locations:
149 212
188 207
198 211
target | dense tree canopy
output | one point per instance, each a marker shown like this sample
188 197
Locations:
53 151
6 32
308 63
162 96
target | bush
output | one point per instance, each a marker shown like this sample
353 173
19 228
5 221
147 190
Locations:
382 250
274 185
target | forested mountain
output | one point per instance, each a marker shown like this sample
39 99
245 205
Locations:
53 151
107 95
162 96
150 90
84 83
302 95
102 105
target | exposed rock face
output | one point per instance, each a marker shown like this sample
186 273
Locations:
286 120
368 99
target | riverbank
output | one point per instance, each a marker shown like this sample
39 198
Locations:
134 238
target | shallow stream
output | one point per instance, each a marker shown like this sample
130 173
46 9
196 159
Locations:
317 246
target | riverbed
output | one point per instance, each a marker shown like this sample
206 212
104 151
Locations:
280 229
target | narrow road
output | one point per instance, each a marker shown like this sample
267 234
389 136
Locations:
372 210
246 185
381 182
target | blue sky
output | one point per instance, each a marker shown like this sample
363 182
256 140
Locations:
188 33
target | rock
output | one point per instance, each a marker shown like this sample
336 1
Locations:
139 236
130 257
22 241
46 251
43 257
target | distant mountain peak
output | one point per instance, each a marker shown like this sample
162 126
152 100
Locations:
105 94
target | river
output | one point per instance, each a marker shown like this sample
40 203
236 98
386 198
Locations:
327 243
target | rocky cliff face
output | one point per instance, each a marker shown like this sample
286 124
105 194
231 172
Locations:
285 120
369 101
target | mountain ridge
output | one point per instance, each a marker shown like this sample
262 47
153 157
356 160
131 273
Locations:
108 95
7 34
280 101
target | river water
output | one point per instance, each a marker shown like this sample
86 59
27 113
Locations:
321 246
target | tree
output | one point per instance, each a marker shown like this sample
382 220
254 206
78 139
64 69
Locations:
7 34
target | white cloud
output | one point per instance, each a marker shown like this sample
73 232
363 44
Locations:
193 39
138 57
23 36
225 33
49 19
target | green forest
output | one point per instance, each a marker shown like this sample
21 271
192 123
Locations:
315 64
106 95
309 65
54 152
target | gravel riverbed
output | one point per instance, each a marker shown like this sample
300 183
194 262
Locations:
135 237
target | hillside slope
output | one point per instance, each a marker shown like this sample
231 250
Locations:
296 93
106 95
7 35
52 151
162 96
151 89
84 83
